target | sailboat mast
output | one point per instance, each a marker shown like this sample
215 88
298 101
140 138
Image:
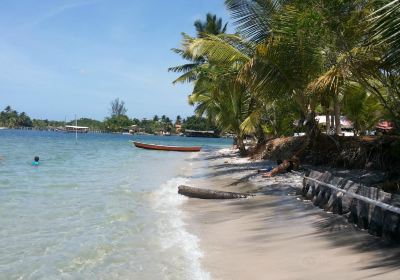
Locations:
76 129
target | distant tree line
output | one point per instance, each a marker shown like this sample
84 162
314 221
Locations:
11 118
117 122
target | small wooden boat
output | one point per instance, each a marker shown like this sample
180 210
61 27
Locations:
166 148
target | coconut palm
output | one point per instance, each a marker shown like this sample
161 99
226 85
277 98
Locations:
212 25
294 55
286 59
217 93
320 44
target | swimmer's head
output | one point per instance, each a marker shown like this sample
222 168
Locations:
36 158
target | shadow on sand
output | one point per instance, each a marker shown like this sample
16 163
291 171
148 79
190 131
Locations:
279 205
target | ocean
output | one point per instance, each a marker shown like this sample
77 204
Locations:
97 208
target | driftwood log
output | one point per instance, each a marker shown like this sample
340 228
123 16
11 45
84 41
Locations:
209 194
286 166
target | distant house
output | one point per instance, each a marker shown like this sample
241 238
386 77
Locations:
344 121
346 124
385 126
134 129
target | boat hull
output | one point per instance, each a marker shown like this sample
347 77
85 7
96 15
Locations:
166 148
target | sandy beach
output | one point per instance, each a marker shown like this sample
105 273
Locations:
277 234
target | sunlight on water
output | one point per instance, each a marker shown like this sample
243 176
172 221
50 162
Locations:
96 209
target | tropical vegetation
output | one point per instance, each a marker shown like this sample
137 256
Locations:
11 118
290 60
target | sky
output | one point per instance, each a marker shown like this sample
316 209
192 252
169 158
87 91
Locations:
59 58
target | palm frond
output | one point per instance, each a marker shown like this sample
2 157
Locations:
183 68
221 48
250 123
253 17
327 83
186 77
385 29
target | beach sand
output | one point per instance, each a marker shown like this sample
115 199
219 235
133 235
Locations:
277 235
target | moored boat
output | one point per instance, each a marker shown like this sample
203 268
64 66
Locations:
167 148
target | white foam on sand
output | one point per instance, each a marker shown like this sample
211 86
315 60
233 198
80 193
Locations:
174 236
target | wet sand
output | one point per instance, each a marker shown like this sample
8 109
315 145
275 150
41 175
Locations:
277 235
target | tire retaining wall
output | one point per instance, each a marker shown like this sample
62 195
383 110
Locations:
368 216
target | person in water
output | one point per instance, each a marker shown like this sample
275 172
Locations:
35 161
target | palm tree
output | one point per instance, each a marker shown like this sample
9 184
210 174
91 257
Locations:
287 55
212 25
217 93
318 42
257 73
227 103
8 109
293 55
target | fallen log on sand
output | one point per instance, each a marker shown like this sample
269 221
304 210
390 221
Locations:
209 194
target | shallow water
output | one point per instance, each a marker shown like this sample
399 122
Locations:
94 209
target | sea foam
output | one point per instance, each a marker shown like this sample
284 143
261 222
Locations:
173 233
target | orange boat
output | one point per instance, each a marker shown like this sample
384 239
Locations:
166 148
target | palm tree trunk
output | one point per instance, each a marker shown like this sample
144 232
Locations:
336 108
327 121
312 129
261 139
241 146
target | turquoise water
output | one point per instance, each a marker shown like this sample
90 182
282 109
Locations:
96 209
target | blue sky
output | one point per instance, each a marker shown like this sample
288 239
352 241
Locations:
64 57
